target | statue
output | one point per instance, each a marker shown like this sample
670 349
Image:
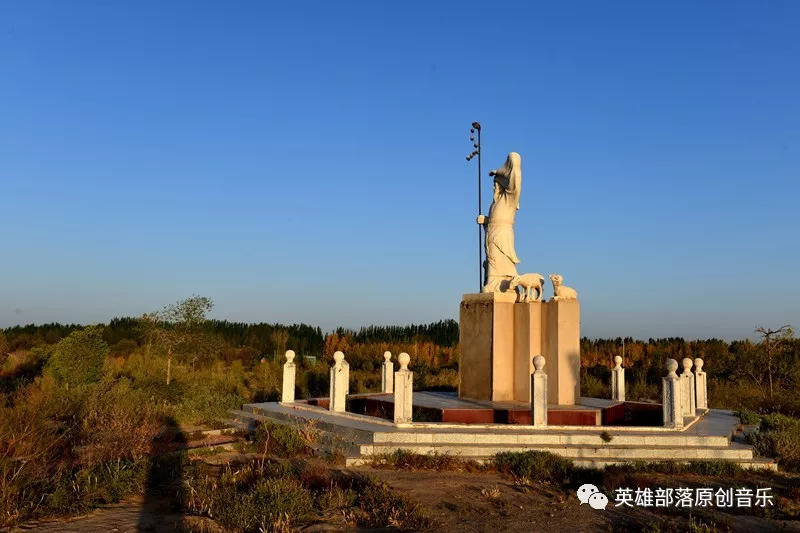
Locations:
561 291
501 258
532 286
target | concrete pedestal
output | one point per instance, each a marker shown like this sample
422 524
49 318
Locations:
487 347
499 339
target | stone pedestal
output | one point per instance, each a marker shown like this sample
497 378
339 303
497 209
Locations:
289 371
499 338
701 388
688 401
387 373
486 369
538 393
403 391
339 386
561 347
618 380
671 396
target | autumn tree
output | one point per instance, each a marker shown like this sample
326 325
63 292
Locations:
180 327
772 343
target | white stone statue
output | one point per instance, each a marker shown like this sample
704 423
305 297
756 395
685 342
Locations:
501 258
562 292
532 286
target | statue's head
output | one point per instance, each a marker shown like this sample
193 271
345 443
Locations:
511 171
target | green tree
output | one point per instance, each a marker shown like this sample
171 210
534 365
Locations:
78 358
181 327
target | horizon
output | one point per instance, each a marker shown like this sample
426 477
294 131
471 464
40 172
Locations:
315 173
325 332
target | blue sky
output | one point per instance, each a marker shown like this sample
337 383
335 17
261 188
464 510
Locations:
304 161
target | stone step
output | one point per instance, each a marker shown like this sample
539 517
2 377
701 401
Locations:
757 463
585 438
615 452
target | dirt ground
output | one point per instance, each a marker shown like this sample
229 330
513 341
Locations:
456 502
490 503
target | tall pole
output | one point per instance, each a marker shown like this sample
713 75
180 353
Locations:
477 151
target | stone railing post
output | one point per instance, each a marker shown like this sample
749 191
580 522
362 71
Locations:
340 376
673 416
700 384
289 371
688 402
538 393
387 373
403 390
618 380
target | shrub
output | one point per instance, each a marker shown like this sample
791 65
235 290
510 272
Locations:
536 465
280 439
779 438
748 417
406 460
778 422
78 359
281 501
381 507
118 423
703 468
336 497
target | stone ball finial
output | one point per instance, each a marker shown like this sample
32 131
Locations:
538 362
698 364
618 360
687 364
671 365
387 356
404 359
338 357
289 356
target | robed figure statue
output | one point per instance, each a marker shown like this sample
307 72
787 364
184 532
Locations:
501 261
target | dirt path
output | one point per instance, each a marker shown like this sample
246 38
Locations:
132 515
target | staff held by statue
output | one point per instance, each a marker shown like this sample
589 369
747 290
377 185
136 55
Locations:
476 144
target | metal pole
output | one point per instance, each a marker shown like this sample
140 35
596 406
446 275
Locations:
477 151
480 226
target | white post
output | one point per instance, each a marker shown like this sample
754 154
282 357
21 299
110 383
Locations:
387 373
673 417
701 390
538 393
618 381
403 391
340 375
289 370
688 402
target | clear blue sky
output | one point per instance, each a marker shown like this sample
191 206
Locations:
304 162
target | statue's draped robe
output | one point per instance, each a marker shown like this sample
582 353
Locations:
501 258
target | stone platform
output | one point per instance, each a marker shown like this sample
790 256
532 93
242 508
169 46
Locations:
448 407
705 437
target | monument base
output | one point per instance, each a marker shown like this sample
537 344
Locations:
499 338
